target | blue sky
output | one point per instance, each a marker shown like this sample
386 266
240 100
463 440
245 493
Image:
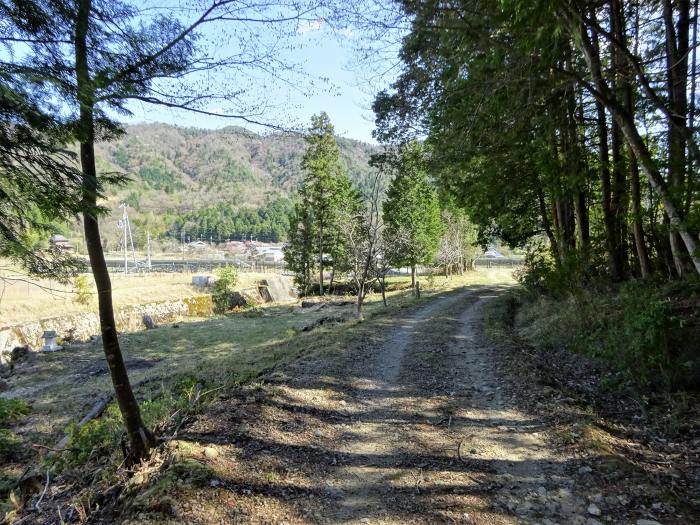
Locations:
347 99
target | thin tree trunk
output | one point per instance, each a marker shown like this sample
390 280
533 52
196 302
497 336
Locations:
140 439
646 162
360 300
645 268
384 290
320 258
638 227
545 219
677 78
691 110
413 276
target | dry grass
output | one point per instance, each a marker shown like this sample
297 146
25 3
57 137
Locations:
27 299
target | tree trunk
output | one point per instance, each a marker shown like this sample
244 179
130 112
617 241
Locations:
413 276
677 78
640 245
638 227
360 301
604 175
140 439
690 185
646 162
320 258
619 198
384 290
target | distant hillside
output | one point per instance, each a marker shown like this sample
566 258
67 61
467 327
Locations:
179 174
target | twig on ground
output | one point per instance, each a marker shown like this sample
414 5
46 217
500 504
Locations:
37 445
46 487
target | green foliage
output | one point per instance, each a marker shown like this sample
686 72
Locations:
100 437
227 278
411 210
159 177
12 410
225 220
326 197
94 438
634 328
299 252
82 290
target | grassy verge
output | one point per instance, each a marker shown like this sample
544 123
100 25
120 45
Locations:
172 363
640 338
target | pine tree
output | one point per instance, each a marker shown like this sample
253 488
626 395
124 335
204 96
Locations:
412 208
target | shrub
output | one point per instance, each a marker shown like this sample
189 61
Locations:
633 328
541 273
100 437
227 278
12 409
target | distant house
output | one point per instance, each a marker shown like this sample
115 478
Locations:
491 253
59 242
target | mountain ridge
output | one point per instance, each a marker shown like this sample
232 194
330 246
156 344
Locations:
177 172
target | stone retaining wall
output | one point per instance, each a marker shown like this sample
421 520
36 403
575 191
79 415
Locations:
80 327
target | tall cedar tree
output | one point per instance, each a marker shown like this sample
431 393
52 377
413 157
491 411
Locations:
327 190
299 251
412 207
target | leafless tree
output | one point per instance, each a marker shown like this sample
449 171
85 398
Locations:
363 239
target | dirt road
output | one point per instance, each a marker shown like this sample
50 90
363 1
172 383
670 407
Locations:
414 426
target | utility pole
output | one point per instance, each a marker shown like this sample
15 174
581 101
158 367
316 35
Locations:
148 249
122 224
126 226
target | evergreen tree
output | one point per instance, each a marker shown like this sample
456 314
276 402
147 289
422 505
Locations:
412 208
299 252
327 193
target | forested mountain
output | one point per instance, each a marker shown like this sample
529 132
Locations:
211 183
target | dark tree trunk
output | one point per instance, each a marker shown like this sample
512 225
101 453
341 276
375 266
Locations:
638 227
545 219
618 198
690 185
383 281
413 276
641 152
604 175
140 439
677 78
320 259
